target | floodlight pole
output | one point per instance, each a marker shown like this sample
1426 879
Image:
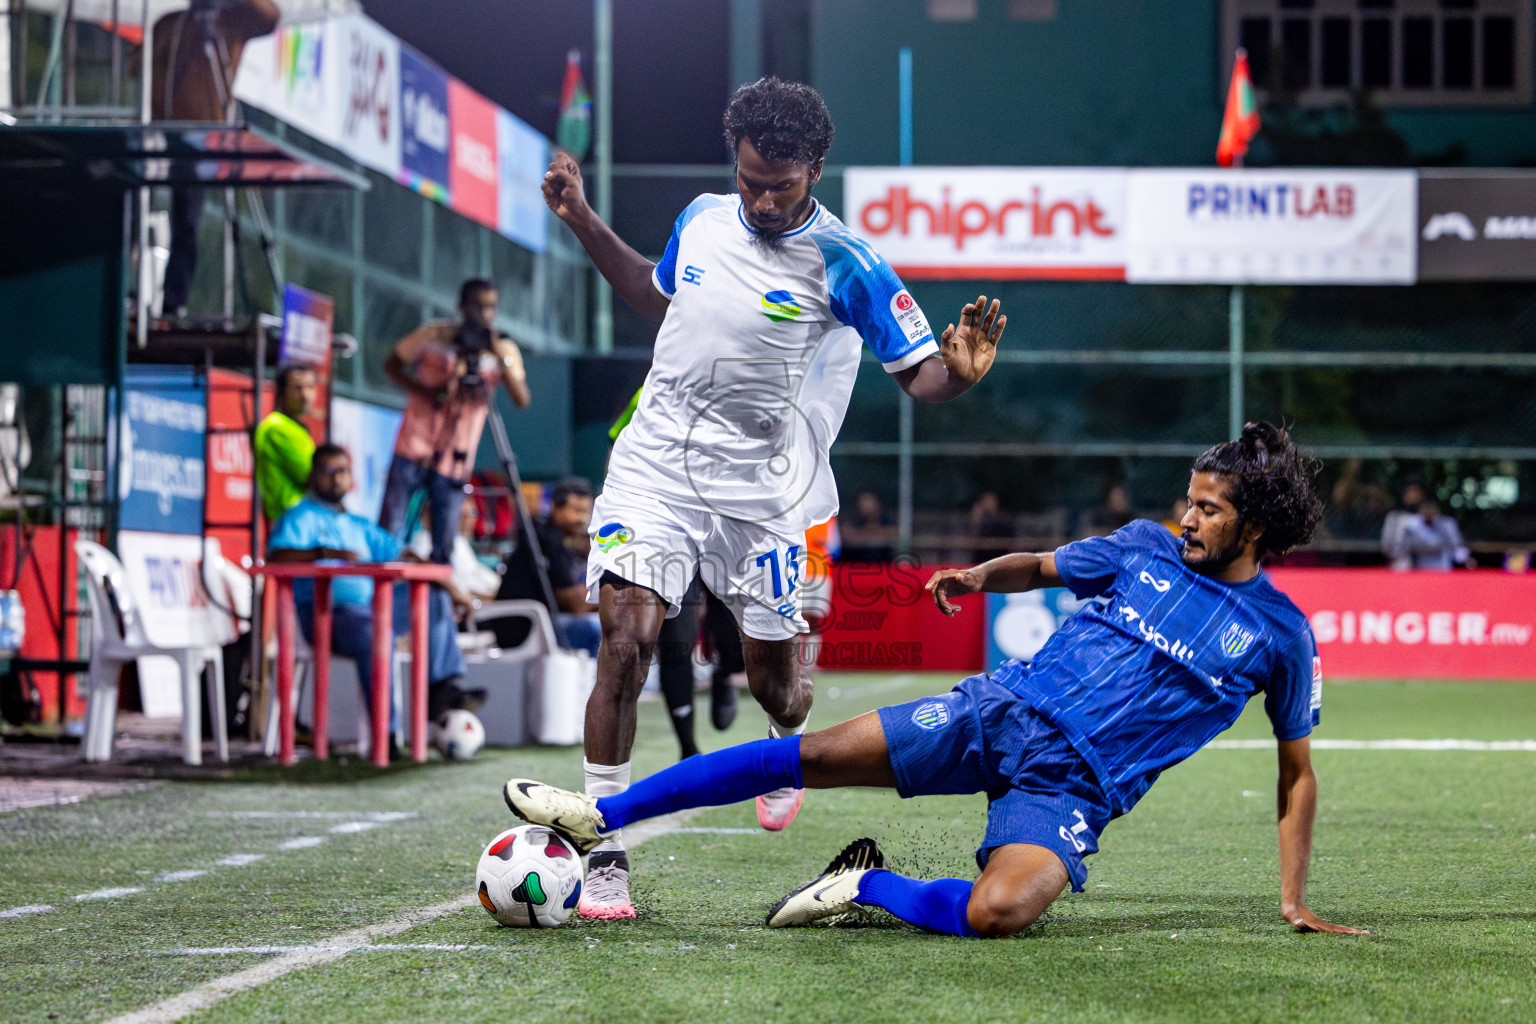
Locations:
905 414
602 152
1236 414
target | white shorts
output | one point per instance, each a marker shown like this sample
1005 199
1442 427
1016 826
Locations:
752 567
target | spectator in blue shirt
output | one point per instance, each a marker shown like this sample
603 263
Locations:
319 529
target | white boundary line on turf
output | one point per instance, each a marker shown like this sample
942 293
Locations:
378 947
337 946
1485 745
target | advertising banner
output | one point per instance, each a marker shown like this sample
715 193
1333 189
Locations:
369 69
472 177
160 479
293 75
881 621
367 432
423 126
230 464
1210 226
307 321
522 157
1380 624
1058 223
1018 625
1477 225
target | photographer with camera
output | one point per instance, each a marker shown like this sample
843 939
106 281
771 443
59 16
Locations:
450 370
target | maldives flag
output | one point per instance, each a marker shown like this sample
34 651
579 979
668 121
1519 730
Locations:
1241 120
574 132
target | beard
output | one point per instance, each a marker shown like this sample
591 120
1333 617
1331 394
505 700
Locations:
1216 559
767 244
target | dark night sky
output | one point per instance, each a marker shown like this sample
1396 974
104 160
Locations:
670 70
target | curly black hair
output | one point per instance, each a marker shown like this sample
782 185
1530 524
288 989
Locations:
1272 484
784 120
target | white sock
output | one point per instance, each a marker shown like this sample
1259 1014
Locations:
778 732
607 780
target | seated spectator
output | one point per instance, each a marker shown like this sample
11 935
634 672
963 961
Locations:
472 579
570 513
319 529
866 531
987 523
1431 540
1396 522
1114 513
567 576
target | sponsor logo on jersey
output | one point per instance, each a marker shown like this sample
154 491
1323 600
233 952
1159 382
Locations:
1236 641
1161 586
780 306
693 275
930 715
1176 648
909 316
1317 683
611 535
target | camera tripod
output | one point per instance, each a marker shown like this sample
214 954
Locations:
525 525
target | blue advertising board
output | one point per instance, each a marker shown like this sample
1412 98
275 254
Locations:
162 476
424 135
522 157
1018 625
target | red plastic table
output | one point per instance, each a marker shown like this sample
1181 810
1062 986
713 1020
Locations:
420 575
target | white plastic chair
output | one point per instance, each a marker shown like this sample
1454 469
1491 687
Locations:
117 638
559 681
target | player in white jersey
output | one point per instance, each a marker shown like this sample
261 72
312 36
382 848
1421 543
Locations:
762 297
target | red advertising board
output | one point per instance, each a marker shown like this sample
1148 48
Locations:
472 177
881 621
36 577
230 467
1380 624
1369 623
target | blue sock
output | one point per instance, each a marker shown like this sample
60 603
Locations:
709 780
937 906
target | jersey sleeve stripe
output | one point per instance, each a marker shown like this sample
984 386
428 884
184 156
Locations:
912 358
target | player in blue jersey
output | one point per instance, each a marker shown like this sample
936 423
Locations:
765 300
1187 631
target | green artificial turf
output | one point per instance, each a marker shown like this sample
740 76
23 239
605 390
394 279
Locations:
1433 851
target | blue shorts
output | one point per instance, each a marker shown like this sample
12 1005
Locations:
981 737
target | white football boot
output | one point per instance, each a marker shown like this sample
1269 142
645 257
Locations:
573 815
834 891
605 895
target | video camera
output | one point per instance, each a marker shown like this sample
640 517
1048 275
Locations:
470 341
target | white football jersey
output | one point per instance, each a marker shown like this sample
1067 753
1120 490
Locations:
755 363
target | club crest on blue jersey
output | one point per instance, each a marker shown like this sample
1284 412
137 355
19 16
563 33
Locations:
1236 641
931 715
611 535
780 306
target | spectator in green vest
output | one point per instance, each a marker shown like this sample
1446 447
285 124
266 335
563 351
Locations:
284 448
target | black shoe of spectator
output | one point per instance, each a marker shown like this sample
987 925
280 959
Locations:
449 696
722 701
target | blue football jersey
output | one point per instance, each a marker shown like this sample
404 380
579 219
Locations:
1143 680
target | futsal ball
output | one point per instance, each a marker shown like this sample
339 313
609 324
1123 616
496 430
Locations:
458 735
529 877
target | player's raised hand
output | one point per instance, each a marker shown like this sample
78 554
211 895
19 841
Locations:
1303 920
563 190
968 350
947 583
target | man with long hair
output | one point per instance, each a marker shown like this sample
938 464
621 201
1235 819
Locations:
1189 629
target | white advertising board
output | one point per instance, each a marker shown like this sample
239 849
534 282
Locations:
1277 226
1060 223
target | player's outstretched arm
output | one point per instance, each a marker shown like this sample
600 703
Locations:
1007 574
1297 804
965 355
624 268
